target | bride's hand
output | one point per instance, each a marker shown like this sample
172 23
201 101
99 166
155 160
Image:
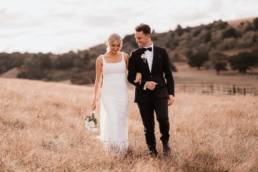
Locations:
94 104
138 78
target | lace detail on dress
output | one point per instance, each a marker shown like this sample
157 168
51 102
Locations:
117 148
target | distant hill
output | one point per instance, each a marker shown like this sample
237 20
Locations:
215 40
238 35
237 23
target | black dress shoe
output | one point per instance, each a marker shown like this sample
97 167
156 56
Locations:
153 153
166 150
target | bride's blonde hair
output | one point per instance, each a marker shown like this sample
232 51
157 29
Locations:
113 37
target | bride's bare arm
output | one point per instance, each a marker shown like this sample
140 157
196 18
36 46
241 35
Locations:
138 75
126 60
98 81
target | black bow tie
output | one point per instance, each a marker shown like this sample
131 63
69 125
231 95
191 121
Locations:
145 49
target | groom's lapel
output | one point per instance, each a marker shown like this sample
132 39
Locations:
147 67
145 63
155 58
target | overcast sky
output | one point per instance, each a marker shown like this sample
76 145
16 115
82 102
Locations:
62 25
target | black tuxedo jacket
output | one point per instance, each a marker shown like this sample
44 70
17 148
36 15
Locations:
160 73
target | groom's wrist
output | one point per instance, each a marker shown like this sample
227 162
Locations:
145 86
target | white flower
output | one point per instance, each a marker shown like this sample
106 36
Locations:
143 56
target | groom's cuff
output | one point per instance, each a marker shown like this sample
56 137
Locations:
145 86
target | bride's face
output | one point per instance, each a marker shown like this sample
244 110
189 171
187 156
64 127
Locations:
114 46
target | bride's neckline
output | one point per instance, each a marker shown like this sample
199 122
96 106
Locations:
120 55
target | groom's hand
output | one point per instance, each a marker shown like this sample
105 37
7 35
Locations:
171 100
151 85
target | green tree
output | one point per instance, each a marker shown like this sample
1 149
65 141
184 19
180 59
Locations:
230 32
198 59
179 30
219 66
255 23
243 61
208 37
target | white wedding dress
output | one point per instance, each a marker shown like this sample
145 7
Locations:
114 107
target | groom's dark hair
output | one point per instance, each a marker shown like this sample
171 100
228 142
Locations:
144 28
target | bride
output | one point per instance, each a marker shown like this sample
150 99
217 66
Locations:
111 89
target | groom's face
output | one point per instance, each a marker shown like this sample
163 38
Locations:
141 39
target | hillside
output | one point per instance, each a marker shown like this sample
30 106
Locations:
239 22
41 126
218 42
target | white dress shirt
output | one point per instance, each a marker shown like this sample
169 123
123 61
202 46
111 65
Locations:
149 56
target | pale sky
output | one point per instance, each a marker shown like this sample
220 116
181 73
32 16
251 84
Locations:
62 25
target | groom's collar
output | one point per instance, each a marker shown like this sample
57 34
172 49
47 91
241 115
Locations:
150 46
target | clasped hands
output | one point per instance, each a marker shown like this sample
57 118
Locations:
151 85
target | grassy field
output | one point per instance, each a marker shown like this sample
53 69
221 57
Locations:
187 75
41 129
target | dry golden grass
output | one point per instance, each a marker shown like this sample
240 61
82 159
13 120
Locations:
41 129
188 75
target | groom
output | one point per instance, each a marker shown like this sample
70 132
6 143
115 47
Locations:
155 92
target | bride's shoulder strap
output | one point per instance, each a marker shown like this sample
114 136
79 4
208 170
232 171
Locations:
100 59
124 58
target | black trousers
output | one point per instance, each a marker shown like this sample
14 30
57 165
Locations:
147 109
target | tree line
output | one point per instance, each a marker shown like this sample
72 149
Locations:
200 46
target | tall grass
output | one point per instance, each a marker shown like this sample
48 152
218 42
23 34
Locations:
41 129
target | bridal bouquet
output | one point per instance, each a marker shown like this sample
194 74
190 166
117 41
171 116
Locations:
91 122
